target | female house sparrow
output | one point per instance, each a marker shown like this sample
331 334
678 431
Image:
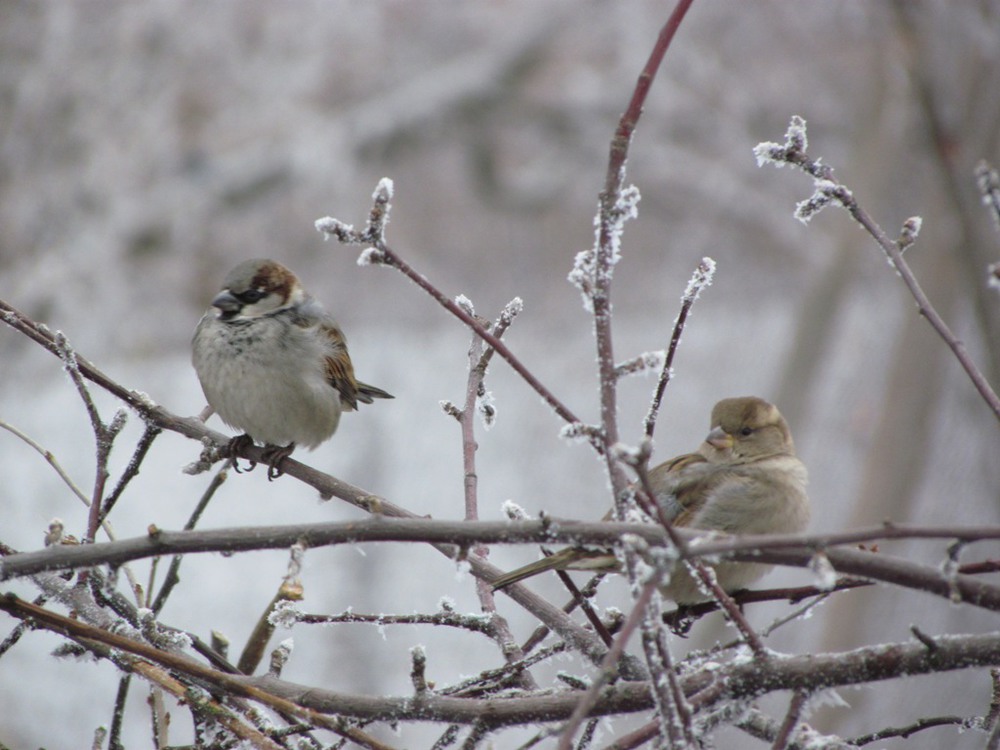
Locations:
744 479
273 363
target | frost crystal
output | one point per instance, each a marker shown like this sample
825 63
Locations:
383 191
371 256
331 227
700 280
769 152
577 432
796 143
284 615
630 454
145 399
826 575
513 511
486 408
446 604
645 363
450 409
795 136
511 310
826 192
465 304
586 275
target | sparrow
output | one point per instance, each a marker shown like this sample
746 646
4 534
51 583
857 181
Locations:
744 479
274 364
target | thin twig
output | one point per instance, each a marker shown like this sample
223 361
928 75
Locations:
607 671
384 255
701 279
473 623
829 190
132 469
674 713
475 393
910 729
173 572
787 729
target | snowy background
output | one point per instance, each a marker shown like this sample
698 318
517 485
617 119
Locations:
147 148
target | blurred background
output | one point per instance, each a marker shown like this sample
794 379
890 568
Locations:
147 148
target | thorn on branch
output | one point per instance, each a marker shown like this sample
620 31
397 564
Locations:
925 639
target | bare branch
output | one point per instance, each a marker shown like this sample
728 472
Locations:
700 280
829 190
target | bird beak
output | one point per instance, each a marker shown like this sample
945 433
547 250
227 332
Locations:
719 439
226 302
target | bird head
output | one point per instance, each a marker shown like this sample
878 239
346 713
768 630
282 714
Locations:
746 429
255 288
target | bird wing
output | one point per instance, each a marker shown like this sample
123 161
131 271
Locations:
340 371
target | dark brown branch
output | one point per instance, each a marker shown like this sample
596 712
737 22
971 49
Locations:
918 726
744 680
449 536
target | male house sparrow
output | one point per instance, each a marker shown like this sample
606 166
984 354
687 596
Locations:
744 479
273 363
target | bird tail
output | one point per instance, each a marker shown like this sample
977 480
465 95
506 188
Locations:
571 558
366 393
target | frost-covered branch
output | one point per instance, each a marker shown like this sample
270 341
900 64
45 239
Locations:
379 253
328 486
828 190
450 537
479 400
700 280
705 688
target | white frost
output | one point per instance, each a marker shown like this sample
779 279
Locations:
370 256
700 280
465 304
513 511
511 310
487 409
284 615
822 568
329 226
383 190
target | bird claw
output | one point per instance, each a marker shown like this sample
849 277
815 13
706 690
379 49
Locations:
275 455
236 446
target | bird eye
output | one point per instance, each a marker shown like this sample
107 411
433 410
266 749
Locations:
252 295
746 431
